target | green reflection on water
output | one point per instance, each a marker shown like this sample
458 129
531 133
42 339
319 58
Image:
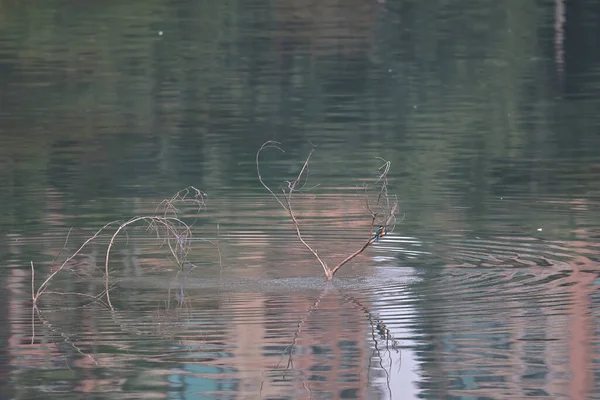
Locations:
106 108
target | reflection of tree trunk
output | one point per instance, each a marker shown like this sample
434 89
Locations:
5 329
559 36
581 330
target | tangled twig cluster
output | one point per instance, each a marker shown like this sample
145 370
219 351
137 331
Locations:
165 224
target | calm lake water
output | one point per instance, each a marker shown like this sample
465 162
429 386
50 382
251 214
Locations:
487 288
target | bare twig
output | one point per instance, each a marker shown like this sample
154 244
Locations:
178 234
353 255
32 282
42 288
382 212
287 189
189 196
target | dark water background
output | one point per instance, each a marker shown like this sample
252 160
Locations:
487 110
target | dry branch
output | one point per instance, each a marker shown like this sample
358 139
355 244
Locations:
383 211
177 236
169 229
287 196
166 224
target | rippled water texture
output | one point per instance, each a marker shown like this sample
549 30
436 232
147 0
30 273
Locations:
487 288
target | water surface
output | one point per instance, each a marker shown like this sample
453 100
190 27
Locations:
486 289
